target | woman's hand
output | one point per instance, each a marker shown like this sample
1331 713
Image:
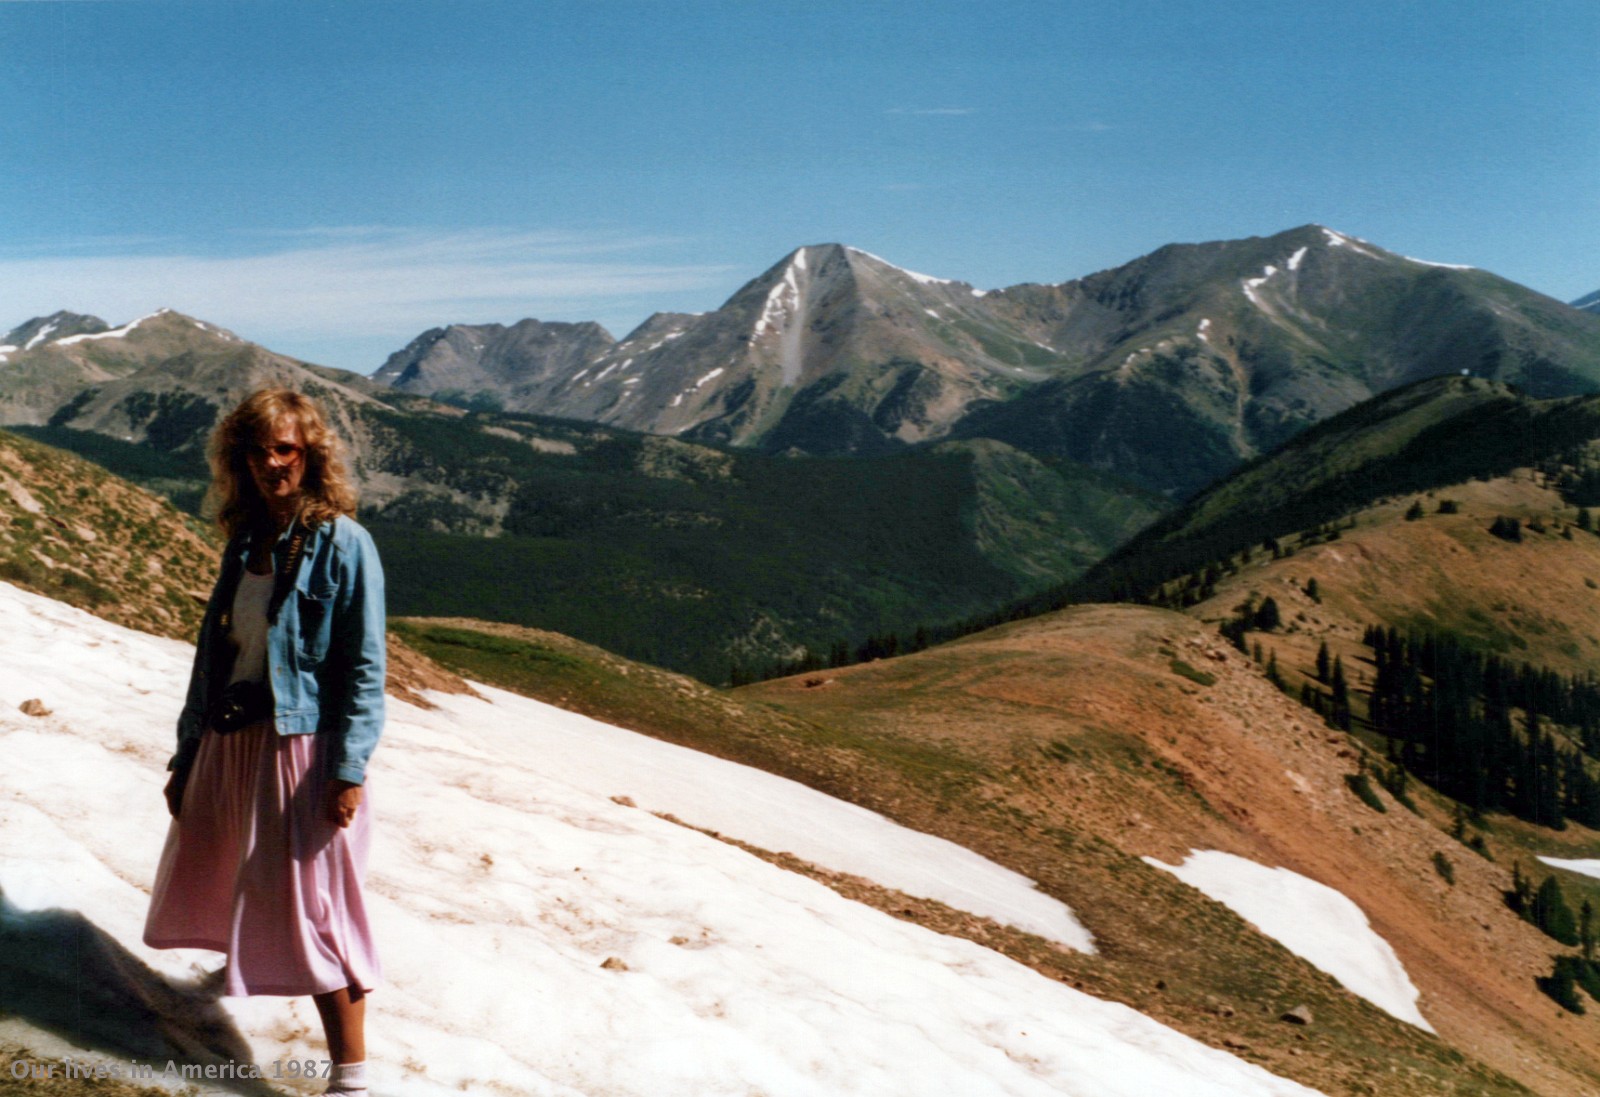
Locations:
174 790
343 799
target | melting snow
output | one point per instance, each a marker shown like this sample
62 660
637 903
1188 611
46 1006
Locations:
114 333
783 301
1584 867
504 874
925 279
709 377
1252 284
1311 920
676 400
7 350
1446 266
1294 260
44 333
1339 240
931 313
1205 326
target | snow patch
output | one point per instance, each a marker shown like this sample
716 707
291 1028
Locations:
114 333
1294 260
1339 240
1205 326
925 279
676 400
506 873
44 333
1430 263
1253 284
933 314
1315 922
783 300
1587 867
711 376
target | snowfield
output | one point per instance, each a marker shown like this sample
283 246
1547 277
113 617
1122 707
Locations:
1312 920
540 937
1588 867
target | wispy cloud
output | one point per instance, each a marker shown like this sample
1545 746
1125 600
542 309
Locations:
932 110
346 282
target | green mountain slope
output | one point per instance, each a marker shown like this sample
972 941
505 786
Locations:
1428 435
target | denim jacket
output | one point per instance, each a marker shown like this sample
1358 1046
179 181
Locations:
325 651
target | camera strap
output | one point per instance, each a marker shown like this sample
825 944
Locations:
286 574
282 584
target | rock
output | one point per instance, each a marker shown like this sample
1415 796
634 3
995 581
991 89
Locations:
33 707
625 801
1299 1015
614 963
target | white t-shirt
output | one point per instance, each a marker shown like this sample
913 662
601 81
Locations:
249 628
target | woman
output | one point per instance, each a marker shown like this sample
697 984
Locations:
266 854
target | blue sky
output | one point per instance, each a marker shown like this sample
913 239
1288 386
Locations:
329 179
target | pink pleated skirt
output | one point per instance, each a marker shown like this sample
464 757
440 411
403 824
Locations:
254 868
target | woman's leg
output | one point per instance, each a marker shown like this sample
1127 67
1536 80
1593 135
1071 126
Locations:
344 1019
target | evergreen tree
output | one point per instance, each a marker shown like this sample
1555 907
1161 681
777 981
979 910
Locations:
1549 911
1340 707
1322 663
1507 529
1313 592
1415 511
1267 616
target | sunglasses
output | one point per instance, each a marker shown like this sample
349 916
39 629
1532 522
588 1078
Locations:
286 453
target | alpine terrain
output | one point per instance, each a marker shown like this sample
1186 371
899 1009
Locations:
1168 371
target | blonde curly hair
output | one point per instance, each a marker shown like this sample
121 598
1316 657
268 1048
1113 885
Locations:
233 499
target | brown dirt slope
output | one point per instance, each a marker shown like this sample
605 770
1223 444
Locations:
72 531
1095 722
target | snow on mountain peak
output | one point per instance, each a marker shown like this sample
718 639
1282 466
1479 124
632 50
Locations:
1431 263
1339 240
44 333
783 300
925 279
1253 284
114 333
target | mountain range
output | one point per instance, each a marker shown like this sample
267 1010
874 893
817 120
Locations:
1207 830
714 558
977 446
1221 350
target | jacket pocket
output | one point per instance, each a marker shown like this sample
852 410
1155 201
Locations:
315 624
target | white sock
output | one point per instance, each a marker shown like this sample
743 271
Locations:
349 1079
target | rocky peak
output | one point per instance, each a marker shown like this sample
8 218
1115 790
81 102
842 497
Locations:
44 329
